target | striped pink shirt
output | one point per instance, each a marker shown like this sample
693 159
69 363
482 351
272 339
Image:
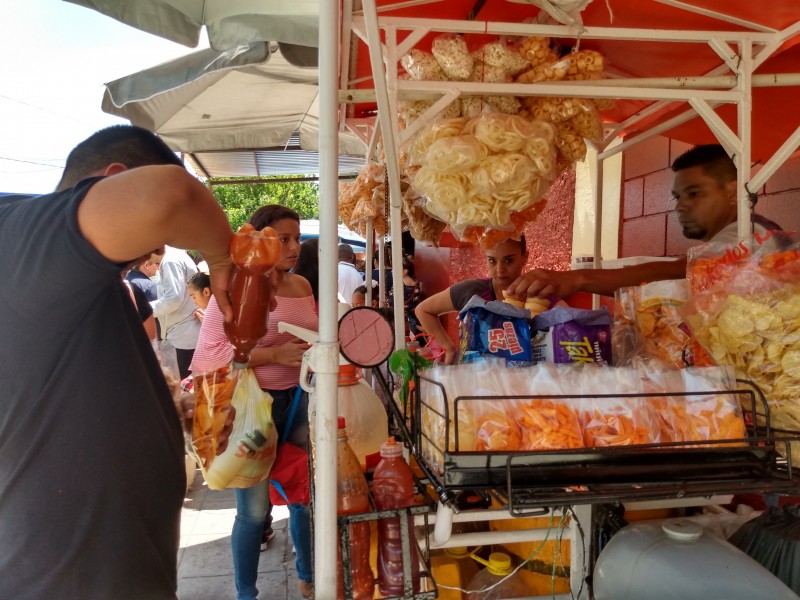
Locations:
214 350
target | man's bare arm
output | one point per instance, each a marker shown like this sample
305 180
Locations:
541 282
131 214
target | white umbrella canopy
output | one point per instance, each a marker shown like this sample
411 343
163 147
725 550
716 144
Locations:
245 99
229 22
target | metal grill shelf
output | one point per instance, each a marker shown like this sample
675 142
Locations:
537 479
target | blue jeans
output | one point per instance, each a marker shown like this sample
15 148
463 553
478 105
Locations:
251 508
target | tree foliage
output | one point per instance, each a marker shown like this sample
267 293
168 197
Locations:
241 200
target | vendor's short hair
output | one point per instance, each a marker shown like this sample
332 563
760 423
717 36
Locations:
712 158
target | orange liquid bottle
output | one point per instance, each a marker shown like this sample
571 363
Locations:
353 498
393 487
254 254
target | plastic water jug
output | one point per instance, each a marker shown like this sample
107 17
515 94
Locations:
367 422
676 560
496 580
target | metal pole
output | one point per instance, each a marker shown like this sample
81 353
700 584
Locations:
388 121
326 363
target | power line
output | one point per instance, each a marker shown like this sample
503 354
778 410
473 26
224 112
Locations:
30 162
44 109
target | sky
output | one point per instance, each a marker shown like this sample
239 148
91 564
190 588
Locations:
54 59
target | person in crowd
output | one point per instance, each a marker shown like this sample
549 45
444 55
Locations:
506 261
92 476
141 275
387 272
174 308
360 296
143 308
199 288
308 264
412 294
276 364
705 193
349 277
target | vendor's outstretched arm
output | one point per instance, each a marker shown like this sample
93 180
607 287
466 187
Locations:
428 312
542 282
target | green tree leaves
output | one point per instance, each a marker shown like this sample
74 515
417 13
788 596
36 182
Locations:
241 200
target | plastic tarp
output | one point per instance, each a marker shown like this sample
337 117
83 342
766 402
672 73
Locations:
244 98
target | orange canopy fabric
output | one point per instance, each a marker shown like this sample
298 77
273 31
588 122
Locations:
775 113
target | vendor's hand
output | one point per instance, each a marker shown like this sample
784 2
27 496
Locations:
291 353
544 283
225 434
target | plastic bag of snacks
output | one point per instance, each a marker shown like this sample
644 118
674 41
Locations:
422 66
496 329
659 328
249 453
502 56
478 172
749 318
422 226
548 425
440 406
573 336
607 422
451 52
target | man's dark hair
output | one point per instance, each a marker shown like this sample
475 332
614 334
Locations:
272 213
126 144
346 253
712 158
307 264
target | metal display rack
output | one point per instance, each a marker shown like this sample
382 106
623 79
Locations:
537 479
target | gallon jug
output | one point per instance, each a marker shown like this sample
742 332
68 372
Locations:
393 487
353 498
676 560
253 254
495 581
452 570
367 423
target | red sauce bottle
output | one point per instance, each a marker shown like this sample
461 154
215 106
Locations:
254 254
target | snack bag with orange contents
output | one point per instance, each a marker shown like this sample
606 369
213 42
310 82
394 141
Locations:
623 422
710 416
496 429
548 425
660 329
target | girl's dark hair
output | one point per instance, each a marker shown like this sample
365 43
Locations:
199 281
272 213
308 264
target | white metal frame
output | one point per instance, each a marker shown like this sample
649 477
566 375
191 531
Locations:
740 53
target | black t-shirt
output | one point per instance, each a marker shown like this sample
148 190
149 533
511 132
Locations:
91 452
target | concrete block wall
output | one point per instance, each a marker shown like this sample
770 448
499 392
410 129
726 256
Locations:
649 225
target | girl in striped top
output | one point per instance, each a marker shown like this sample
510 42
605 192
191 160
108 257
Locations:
276 364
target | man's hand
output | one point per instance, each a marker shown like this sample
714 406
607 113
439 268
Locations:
543 283
225 434
219 272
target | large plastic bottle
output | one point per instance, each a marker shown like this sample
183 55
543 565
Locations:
253 254
496 574
452 568
367 422
393 487
353 498
676 560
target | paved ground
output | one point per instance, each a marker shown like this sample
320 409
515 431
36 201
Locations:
205 570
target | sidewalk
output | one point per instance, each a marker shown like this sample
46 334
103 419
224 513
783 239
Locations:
205 569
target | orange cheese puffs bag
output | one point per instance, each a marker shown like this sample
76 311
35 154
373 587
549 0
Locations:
618 422
548 425
496 429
